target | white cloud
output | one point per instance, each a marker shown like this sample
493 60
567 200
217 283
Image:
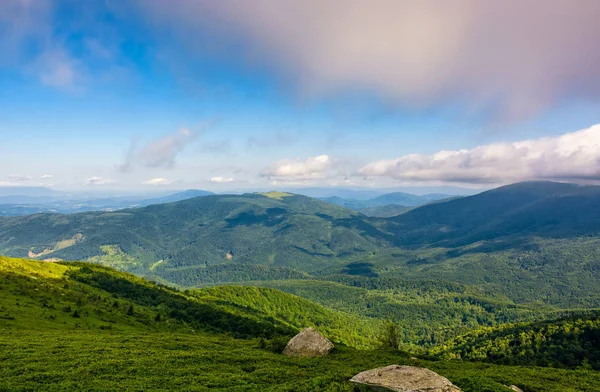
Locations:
571 156
95 180
221 180
159 153
157 181
313 168
520 56
162 152
20 177
46 176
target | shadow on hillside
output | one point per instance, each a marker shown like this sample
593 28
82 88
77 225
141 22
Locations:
176 305
271 217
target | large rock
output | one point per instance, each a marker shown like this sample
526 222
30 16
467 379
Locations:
308 343
404 379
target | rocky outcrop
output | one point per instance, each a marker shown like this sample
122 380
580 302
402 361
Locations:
404 379
515 388
308 343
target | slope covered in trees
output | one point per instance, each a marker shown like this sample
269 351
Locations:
567 342
531 242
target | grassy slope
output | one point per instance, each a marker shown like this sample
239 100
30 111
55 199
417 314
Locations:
50 349
108 360
38 295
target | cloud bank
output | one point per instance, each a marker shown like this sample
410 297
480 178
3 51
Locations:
571 156
514 58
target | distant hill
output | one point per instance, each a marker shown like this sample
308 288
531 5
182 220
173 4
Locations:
25 205
397 198
385 211
188 194
386 205
545 209
529 241
291 231
29 191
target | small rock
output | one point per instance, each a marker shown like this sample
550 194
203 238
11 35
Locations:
404 379
308 343
515 388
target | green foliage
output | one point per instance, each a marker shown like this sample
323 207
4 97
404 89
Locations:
390 334
427 312
569 342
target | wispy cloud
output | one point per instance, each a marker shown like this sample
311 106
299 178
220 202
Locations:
157 182
221 180
20 177
28 42
158 153
572 156
46 176
96 180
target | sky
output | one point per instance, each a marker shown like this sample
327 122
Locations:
174 94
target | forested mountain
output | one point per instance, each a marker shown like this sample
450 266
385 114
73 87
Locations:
398 198
386 205
534 241
543 209
276 229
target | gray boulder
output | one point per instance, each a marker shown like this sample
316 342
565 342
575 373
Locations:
404 379
308 343
515 388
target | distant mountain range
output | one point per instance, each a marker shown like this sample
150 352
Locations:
531 241
24 205
25 200
386 205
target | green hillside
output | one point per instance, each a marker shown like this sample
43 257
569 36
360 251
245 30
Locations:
568 342
427 312
77 326
296 232
43 296
533 243
509 213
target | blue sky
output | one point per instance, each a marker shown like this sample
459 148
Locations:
156 94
